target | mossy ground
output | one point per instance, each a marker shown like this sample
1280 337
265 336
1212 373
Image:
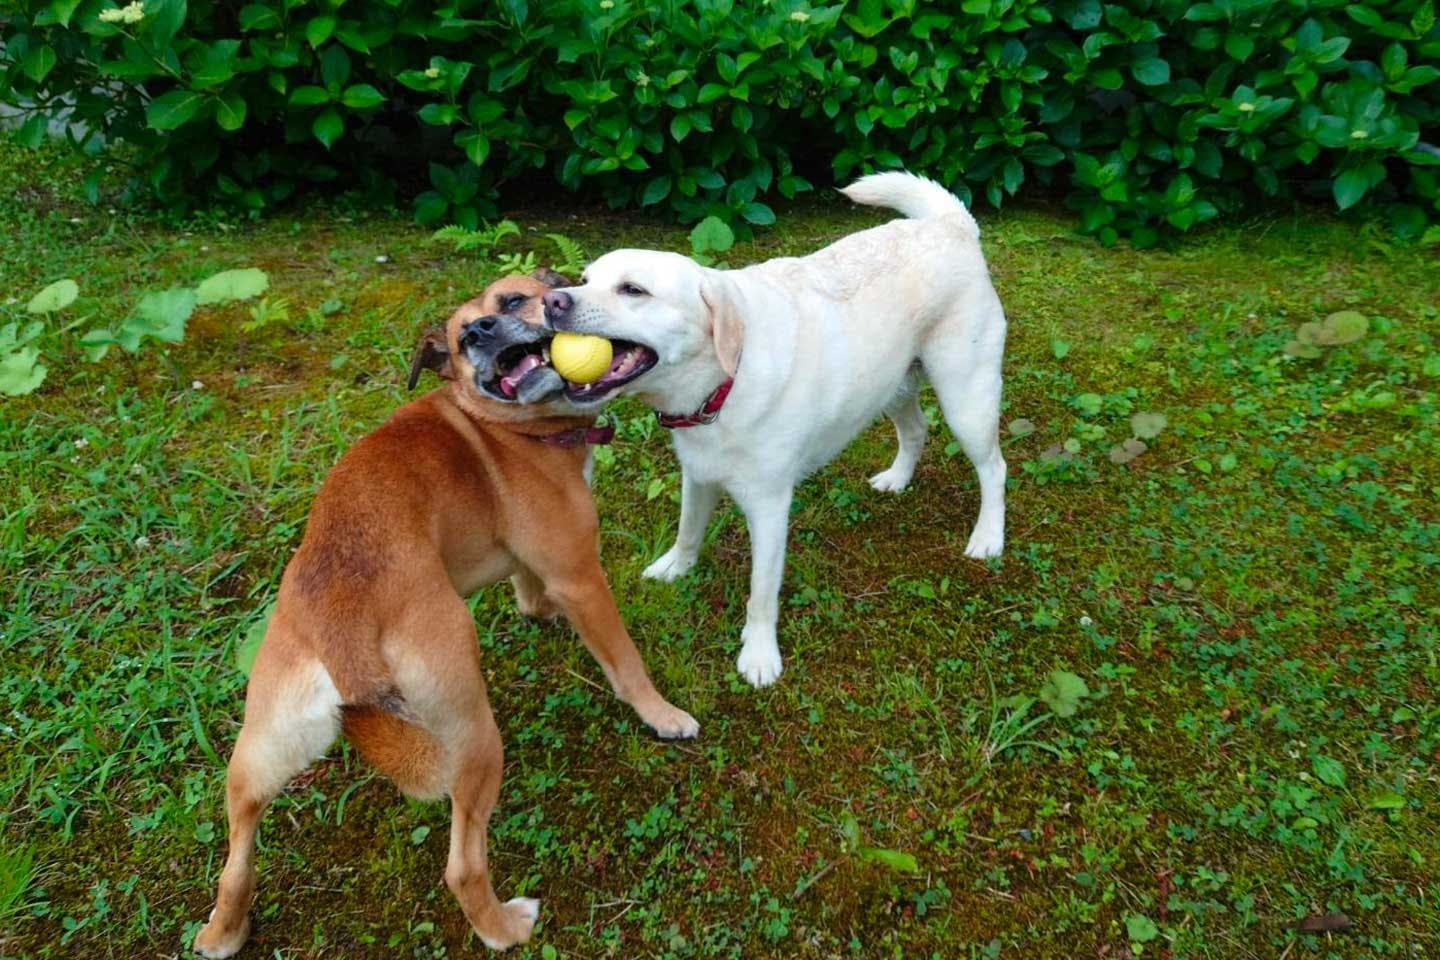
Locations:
1252 604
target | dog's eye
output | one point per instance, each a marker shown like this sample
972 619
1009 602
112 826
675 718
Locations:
630 290
514 302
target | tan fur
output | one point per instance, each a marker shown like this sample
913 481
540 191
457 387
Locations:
371 633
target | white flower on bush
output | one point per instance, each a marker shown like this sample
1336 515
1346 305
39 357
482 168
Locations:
433 73
800 16
1358 134
1246 108
133 13
141 542
607 4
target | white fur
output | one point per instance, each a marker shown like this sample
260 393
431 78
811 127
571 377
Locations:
830 342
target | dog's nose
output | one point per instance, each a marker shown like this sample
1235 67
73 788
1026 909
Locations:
476 330
557 304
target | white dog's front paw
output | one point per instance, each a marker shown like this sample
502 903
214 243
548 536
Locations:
892 480
759 660
985 543
671 567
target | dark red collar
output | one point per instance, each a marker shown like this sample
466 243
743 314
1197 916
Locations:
707 413
578 436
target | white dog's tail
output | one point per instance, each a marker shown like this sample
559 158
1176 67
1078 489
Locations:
916 197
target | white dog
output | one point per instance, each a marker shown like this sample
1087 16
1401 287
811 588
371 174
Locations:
776 367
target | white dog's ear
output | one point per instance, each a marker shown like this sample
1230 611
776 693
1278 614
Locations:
727 329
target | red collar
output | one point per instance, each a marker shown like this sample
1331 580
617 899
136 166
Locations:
707 413
578 436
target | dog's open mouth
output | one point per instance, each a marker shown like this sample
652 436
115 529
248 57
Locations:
517 367
523 370
630 360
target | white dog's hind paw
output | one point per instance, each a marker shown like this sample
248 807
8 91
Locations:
891 481
670 567
759 661
985 544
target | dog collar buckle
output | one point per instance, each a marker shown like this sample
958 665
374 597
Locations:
579 437
707 413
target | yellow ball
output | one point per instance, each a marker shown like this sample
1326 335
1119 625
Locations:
580 358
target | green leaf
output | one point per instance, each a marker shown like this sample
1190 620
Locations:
328 127
362 96
174 109
758 214
1328 770
1060 348
1386 801
257 16
1021 427
230 285
1349 187
96 344
655 191
230 110
55 297
309 96
712 235
159 315
1140 928
319 29
1344 326
249 644
334 67
218 66
1151 71
38 62
475 144
1089 403
1147 426
21 372
894 859
1063 692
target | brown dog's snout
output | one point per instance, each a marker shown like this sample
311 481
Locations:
557 304
476 330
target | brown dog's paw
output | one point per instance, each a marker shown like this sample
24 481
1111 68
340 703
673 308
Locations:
517 920
216 941
538 606
670 722
531 599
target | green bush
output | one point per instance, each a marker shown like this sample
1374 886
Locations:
1146 115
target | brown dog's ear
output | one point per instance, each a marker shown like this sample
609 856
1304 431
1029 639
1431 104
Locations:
727 329
551 279
431 353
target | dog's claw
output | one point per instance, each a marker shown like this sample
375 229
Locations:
671 723
216 944
671 567
985 544
759 661
520 915
890 481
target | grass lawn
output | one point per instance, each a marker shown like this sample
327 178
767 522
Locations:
1251 603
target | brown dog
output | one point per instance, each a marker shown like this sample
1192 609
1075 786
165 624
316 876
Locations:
371 634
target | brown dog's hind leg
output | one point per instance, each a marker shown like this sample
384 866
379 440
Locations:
480 765
291 717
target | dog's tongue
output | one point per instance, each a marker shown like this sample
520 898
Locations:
509 381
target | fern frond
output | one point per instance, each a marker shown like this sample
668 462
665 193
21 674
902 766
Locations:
574 256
